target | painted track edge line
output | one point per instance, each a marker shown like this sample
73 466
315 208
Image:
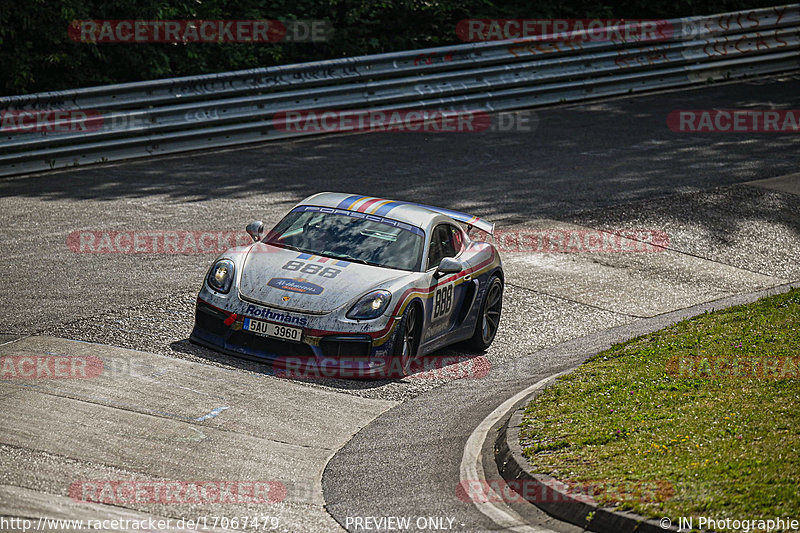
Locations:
472 462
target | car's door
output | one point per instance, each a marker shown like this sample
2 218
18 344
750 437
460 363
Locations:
445 294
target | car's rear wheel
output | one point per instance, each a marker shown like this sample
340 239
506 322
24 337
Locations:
406 344
489 316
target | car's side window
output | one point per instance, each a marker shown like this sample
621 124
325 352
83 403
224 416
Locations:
443 244
435 249
457 238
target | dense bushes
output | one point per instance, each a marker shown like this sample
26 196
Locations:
37 55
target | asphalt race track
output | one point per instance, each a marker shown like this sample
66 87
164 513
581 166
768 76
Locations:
342 450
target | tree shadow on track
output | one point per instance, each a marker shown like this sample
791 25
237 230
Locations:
575 158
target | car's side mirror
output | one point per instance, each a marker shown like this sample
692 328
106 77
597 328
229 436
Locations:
449 265
256 230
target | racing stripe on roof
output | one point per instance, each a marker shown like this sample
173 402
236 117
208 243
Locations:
384 209
349 201
366 205
323 259
352 206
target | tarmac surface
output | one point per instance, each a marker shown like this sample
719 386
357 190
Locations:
728 203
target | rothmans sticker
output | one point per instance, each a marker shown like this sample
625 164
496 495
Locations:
293 285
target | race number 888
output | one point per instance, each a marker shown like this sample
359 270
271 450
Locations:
443 301
311 268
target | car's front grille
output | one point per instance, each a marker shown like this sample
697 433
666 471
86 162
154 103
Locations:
270 346
346 345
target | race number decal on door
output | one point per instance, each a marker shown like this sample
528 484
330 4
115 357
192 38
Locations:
442 301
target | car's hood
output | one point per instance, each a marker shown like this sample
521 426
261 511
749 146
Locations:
265 280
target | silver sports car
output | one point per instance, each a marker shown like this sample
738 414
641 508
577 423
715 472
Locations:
348 276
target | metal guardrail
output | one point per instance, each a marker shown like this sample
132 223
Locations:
181 114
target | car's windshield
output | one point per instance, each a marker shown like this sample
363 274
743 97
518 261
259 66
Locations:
351 236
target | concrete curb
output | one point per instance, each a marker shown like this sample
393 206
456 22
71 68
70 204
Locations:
513 466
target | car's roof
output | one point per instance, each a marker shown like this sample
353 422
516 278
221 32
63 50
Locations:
402 211
408 212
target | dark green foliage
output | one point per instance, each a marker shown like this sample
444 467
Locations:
37 55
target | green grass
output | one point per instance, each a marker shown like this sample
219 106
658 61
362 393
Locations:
730 447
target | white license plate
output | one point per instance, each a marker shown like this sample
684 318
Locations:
278 331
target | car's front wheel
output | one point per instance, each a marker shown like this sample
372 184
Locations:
406 342
489 316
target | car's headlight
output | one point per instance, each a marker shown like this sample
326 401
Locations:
370 305
220 277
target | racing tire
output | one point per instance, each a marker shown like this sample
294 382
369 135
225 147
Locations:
489 316
406 343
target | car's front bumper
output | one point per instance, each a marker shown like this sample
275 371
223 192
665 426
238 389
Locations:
321 353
